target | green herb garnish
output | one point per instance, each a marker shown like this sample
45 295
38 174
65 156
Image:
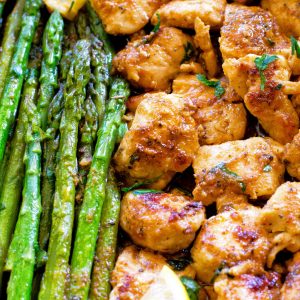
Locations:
71 6
295 47
267 168
188 52
261 64
218 271
146 191
179 264
191 286
271 42
216 84
222 166
138 184
157 25
278 87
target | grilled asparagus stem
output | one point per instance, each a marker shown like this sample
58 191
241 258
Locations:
107 241
90 213
54 280
13 84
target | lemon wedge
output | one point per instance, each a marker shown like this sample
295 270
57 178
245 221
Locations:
167 286
67 8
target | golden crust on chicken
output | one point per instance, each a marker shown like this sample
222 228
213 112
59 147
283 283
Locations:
251 30
162 139
161 221
231 242
125 17
265 286
153 61
252 167
292 156
182 13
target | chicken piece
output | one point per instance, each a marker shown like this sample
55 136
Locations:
265 286
291 287
162 140
202 40
125 17
218 120
160 221
134 272
287 14
182 13
153 61
230 242
269 104
251 30
281 218
296 100
292 156
252 167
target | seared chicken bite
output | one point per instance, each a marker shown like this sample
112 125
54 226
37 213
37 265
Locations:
218 120
161 141
287 14
125 17
269 101
265 286
292 156
253 167
291 287
153 61
251 30
134 272
231 242
161 221
182 13
281 218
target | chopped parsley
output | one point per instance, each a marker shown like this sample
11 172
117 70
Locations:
267 168
222 166
71 6
278 87
138 184
216 84
188 52
261 64
179 264
270 42
295 47
192 287
153 32
157 25
146 191
218 271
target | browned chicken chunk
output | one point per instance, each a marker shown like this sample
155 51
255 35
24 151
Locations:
269 101
134 272
182 13
292 156
161 221
125 17
153 61
230 242
291 287
251 30
218 120
253 167
281 218
287 13
161 141
265 286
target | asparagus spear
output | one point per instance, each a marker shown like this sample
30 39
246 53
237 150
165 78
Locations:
12 186
13 84
2 3
51 145
54 280
107 241
21 255
90 213
52 40
11 32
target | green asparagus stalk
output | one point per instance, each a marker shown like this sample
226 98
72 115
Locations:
21 255
2 3
51 145
48 176
98 30
107 241
52 45
88 132
90 213
12 185
82 26
54 280
13 84
11 33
